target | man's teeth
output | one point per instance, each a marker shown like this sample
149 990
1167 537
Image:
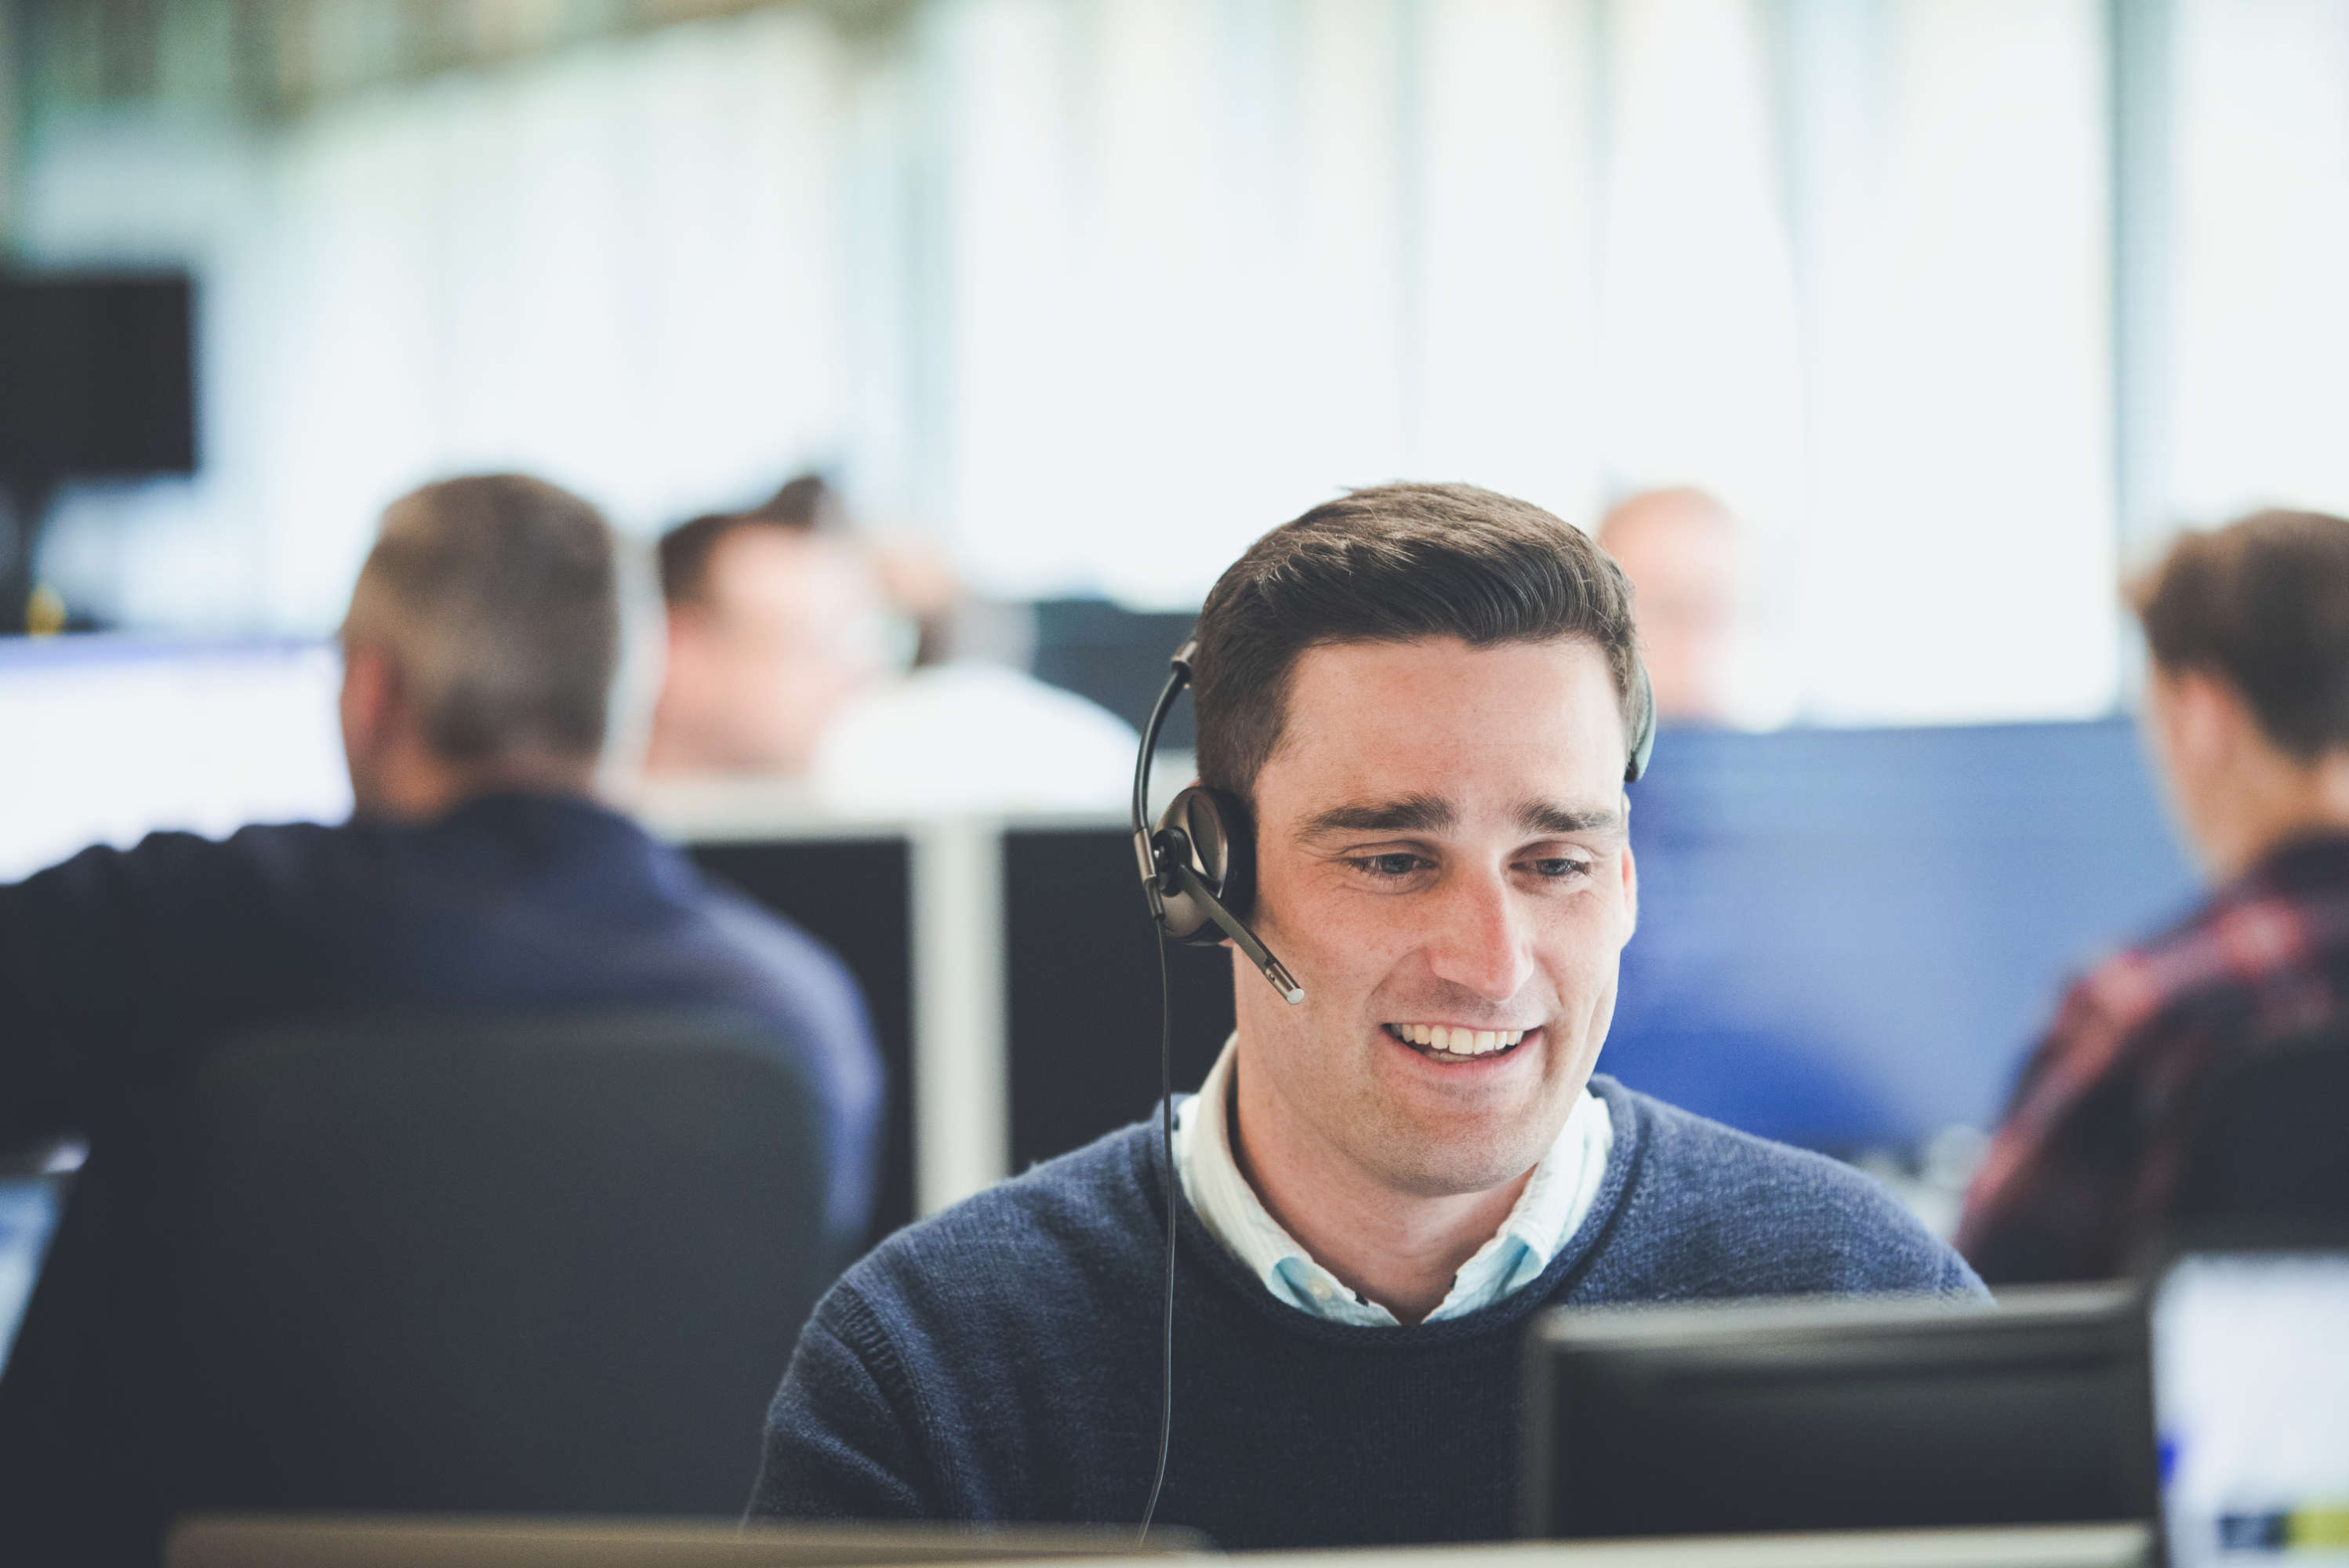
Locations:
1459 1042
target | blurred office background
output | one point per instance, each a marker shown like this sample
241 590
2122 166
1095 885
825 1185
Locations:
1959 304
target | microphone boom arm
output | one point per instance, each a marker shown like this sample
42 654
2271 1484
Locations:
1242 937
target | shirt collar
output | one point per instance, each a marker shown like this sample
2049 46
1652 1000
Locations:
2313 858
1544 1218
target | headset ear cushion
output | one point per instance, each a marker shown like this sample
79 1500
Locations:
1237 893
1216 839
1643 707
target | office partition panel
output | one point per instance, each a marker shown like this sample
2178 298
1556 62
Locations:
853 895
1082 991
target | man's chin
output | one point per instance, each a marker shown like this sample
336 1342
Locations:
1451 1150
1419 1161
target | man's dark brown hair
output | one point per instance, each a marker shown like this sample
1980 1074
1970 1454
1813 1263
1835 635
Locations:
499 594
1394 563
2262 602
807 504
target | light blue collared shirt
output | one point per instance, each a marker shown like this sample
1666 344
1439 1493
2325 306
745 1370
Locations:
1547 1215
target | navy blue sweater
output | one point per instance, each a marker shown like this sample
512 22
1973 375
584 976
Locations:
999 1361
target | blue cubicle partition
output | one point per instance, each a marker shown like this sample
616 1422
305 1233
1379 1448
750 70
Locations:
1849 939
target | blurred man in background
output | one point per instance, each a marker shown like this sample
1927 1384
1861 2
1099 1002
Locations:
780 619
477 873
776 623
1678 547
2247 714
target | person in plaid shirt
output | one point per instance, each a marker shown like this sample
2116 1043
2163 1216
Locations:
2247 714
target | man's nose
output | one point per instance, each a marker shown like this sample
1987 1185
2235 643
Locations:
1479 939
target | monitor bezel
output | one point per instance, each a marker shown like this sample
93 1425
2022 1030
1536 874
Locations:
1822 1329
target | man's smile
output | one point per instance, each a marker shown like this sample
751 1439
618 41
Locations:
1459 1042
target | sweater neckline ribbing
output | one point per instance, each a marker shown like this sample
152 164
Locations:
1204 1254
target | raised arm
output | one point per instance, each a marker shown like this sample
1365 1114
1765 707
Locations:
65 997
116 959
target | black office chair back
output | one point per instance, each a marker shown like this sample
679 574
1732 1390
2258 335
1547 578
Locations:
2270 1139
496 1264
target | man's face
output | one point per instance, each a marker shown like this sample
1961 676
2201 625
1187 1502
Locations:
1440 843
790 632
2197 730
1681 558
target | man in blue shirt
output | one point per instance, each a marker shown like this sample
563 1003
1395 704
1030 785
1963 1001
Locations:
478 872
1423 697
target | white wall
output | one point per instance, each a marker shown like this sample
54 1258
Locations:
1097 290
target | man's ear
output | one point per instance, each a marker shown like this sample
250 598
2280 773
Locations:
370 698
691 656
2205 721
690 625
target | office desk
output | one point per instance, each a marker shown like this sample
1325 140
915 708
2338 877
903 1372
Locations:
322 1541
2032 1546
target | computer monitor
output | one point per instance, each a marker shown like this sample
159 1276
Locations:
1850 1414
1081 991
2250 1348
853 893
96 374
1116 658
111 737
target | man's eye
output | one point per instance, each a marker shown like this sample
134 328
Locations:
1560 867
1394 865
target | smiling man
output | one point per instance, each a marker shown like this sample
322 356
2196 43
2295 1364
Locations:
1422 694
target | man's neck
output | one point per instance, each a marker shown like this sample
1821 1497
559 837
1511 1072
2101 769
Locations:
1400 1250
2282 803
424 789
674 749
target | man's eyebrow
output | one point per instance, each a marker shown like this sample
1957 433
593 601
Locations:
1408 814
1546 818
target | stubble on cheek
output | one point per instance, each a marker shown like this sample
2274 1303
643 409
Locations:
1342 1082
1479 1151
1420 1145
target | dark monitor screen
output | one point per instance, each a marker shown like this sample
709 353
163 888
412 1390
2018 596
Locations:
1849 938
1838 1415
1116 658
96 375
1081 992
853 895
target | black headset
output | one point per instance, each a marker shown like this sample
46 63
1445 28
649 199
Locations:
1198 866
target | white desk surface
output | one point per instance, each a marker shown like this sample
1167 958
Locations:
327 1542
2034 1546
